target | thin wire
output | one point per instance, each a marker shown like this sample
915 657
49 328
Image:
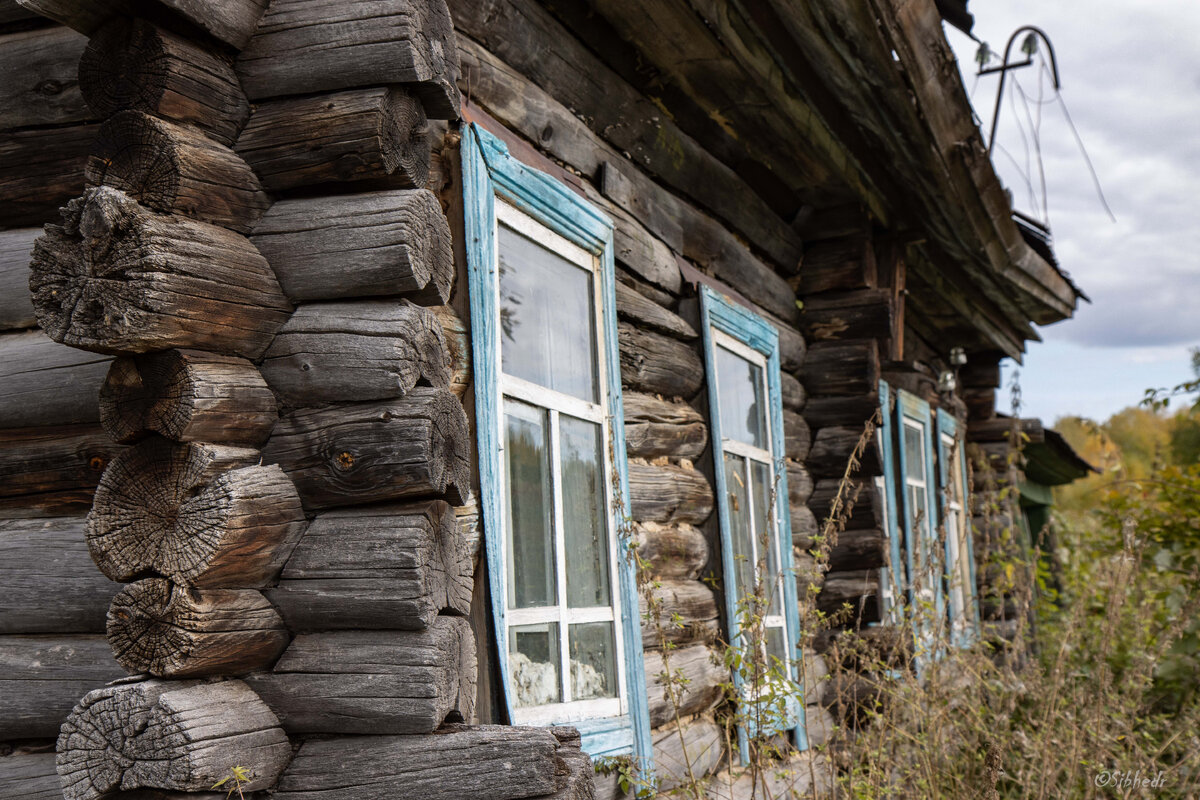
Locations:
1086 159
1026 174
1004 151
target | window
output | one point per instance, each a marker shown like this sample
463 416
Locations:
892 578
963 607
552 464
742 359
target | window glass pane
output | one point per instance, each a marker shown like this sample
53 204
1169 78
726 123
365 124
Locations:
776 648
760 484
914 453
740 525
585 521
547 322
530 545
593 661
534 665
743 409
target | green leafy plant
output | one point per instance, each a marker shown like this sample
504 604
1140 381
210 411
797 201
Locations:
237 780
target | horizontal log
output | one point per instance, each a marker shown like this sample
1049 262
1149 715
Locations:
686 612
805 526
858 314
359 245
658 364
417 446
842 368
655 428
686 751
188 396
847 587
832 449
669 494
793 393
637 250
1004 429
645 313
133 64
48 583
980 373
118 278
800 484
861 496
16 304
453 763
29 776
203 515
830 412
355 351
173 168
41 78
10 12
186 736
793 349
307 46
230 21
797 438
858 549
380 567
43 382
170 631
41 678
378 682
365 134
981 403
56 468
677 552
843 263
40 170
689 680
458 345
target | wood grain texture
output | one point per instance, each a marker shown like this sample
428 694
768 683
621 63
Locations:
672 551
134 64
176 169
834 411
668 494
867 510
170 631
378 682
175 735
657 364
359 245
848 586
857 314
693 748
695 677
655 428
118 278
16 304
805 526
645 313
41 677
800 484
379 567
793 393
858 549
40 170
203 515
307 46
831 451
229 21
46 383
797 438
458 345
53 468
364 134
29 776
842 368
41 78
688 614
839 264
417 446
187 396
355 351
48 583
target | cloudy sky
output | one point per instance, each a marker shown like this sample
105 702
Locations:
1131 80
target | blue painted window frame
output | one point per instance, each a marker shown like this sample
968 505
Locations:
947 426
491 172
718 313
895 574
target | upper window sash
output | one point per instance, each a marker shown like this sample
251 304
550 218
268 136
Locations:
491 176
952 469
757 340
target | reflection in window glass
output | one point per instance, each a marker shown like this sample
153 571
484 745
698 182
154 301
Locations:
530 502
914 451
741 526
534 664
593 661
546 318
760 481
584 519
743 411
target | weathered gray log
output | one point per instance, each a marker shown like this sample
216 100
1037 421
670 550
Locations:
365 134
53 468
202 515
842 368
838 264
805 526
188 396
381 567
806 774
797 438
687 612
377 682
581 776
40 170
45 383
847 587
658 364
134 64
170 167
656 428
355 351
172 631
359 245
231 21
41 677
859 314
417 446
668 494
800 484
29 776
458 345
116 277
306 46
11 12
793 350
867 510
671 551
645 313
858 549
41 78
48 583
830 412
691 749
689 681
831 451
792 390
16 304
176 735
488 763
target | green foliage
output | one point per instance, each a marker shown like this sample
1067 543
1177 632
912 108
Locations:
235 781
